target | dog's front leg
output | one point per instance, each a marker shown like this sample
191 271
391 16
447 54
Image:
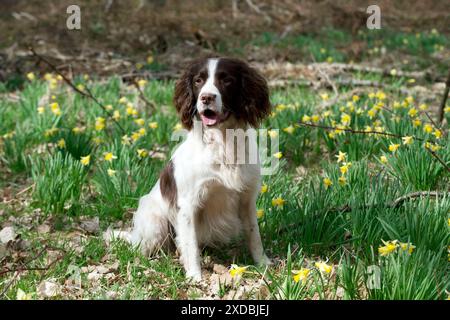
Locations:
251 228
187 242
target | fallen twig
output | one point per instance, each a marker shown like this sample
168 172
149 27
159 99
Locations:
149 104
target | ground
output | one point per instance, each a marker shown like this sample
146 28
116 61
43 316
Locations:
358 209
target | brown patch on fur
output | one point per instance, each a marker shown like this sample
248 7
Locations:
168 185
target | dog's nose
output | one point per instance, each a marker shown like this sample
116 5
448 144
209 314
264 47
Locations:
207 98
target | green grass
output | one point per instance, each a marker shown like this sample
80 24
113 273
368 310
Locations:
342 222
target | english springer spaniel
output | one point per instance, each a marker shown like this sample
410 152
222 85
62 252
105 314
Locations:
202 196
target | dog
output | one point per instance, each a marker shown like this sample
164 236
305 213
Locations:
201 196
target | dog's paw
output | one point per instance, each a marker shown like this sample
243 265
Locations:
194 276
265 261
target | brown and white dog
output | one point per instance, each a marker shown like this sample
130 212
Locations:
203 197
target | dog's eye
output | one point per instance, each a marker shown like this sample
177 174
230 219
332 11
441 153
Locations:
227 81
198 81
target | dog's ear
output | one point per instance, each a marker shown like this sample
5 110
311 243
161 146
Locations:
255 101
184 99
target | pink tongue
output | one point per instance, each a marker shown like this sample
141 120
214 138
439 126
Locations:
209 121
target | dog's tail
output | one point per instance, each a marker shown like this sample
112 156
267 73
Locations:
110 235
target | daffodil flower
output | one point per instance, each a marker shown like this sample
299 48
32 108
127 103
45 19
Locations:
388 247
142 153
323 267
407 140
108 156
342 181
61 143
407 247
341 156
111 172
235 270
153 125
278 155
264 188
30 76
327 182
301 275
393 147
85 160
289 129
278 202
259 213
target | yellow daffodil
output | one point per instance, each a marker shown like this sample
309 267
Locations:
108 156
139 122
393 147
306 118
280 107
264 188
236 270
109 107
315 118
372 113
380 95
428 128
355 98
388 247
100 123
301 275
383 159
135 136
55 108
123 100
61 143
342 181
411 80
142 153
327 182
412 112
80 87
341 156
50 132
126 140
150 59
111 172
407 247
330 59
116 115
423 107
40 110
85 160
417 123
345 119
30 76
259 213
323 267
278 202
177 127
77 130
407 140
153 125
278 155
432 146
409 99
345 167
142 83
447 109
324 96
437 133
393 72
396 105
371 95
289 129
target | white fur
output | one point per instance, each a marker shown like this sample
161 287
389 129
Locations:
210 88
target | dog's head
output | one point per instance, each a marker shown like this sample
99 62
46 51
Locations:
215 89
